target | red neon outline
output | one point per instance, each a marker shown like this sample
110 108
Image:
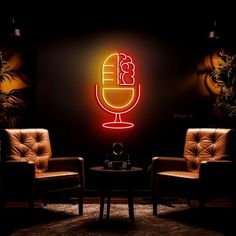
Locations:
127 60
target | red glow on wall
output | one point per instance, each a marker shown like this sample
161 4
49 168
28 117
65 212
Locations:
118 92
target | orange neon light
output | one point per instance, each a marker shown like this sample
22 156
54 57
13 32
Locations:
118 92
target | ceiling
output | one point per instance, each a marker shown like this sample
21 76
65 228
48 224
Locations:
193 20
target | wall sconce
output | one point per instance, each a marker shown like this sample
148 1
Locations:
213 33
15 30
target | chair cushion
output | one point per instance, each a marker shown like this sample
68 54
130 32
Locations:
180 183
180 174
51 181
207 144
32 145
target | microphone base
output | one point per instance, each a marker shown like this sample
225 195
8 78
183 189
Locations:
118 125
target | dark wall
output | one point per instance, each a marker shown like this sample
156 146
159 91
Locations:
166 48
69 56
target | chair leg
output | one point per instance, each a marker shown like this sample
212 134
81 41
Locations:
45 202
202 204
154 209
80 202
31 208
202 200
154 204
189 202
31 204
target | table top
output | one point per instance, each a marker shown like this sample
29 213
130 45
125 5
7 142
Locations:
101 169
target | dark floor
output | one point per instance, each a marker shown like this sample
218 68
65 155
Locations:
219 212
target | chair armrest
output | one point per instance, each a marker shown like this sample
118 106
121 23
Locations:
216 169
18 177
22 169
160 164
216 175
75 164
168 163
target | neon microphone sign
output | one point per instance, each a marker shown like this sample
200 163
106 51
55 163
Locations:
118 92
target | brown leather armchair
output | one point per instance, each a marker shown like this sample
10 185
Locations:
29 172
204 172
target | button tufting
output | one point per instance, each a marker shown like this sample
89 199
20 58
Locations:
38 138
197 138
213 138
21 138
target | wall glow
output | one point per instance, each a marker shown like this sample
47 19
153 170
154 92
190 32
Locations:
118 92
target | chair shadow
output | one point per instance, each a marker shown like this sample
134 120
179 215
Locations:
13 219
218 219
22 218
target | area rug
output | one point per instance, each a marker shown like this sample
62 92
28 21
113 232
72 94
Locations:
63 219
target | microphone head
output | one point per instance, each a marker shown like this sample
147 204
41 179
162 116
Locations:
118 69
118 91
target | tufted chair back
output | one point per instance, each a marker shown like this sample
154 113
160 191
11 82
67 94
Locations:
31 145
206 144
